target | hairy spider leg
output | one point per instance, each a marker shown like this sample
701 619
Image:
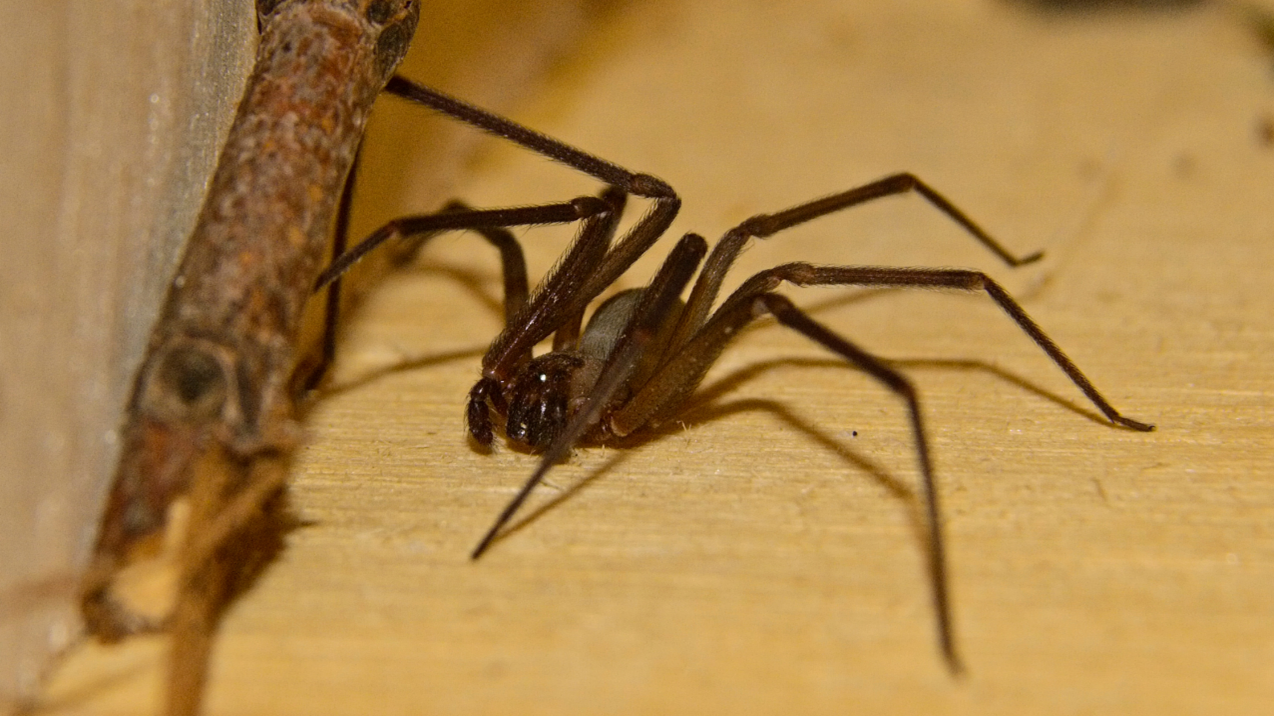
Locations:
547 311
568 332
555 306
761 226
487 223
684 368
736 314
687 368
639 184
680 375
552 309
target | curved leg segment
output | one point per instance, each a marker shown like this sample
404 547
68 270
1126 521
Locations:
803 274
792 317
488 223
455 219
764 225
544 316
679 377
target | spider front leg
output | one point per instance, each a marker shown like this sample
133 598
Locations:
656 304
581 275
556 308
587 269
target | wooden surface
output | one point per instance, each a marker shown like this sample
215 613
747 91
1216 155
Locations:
764 557
111 116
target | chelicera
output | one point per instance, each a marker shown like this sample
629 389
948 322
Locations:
645 351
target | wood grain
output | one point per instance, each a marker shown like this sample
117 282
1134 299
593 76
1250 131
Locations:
764 557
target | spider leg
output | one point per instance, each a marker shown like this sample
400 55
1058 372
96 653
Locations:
736 314
553 307
588 268
512 260
792 317
568 331
332 301
612 174
679 377
765 225
454 219
556 308
658 300
803 274
683 372
487 223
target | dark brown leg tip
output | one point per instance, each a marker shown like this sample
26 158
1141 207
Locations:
1134 424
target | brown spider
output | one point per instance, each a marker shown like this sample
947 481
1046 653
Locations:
644 351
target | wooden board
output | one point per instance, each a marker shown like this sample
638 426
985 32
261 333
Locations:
765 557
113 115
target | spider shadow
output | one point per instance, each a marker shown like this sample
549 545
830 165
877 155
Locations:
705 407
707 413
473 282
406 366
